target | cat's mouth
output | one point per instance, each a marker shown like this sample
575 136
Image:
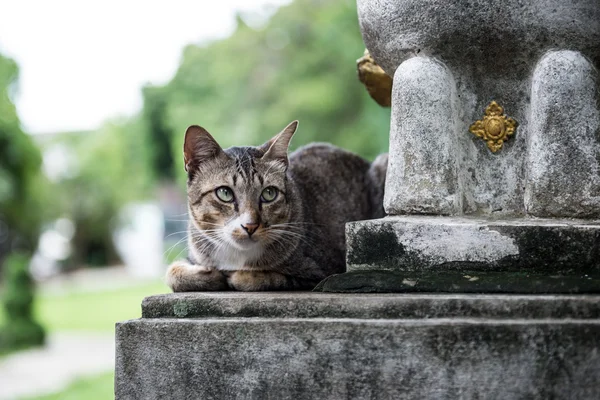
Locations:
244 241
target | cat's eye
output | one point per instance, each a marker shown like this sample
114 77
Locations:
269 194
224 194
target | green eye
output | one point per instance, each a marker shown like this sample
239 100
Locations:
269 194
224 194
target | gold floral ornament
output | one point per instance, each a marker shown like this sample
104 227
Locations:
495 127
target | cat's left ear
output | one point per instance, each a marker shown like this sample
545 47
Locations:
277 147
198 146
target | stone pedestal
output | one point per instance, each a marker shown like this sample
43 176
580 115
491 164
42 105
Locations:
494 160
336 346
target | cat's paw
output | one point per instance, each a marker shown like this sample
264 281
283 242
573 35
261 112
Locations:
253 281
185 277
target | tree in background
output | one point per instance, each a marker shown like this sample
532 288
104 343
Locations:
21 181
154 115
20 330
110 169
21 213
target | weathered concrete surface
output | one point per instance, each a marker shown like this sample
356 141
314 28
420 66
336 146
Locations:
422 174
498 35
429 243
563 164
490 356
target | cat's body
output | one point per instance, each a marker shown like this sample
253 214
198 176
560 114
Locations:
261 221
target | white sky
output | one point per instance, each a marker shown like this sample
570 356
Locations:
82 62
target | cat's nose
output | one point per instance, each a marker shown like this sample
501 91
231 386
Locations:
250 228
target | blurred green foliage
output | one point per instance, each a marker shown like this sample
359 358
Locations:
19 329
21 181
154 117
110 168
21 213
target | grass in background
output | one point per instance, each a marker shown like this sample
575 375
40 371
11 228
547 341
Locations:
94 311
99 387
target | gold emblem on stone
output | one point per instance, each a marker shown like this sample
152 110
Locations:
494 127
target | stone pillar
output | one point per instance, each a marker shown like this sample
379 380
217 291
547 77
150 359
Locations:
422 175
563 155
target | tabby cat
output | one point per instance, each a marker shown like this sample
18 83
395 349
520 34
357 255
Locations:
260 220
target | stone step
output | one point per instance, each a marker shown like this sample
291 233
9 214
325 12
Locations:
368 306
368 346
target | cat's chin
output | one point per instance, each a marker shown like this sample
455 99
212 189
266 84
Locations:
245 244
238 253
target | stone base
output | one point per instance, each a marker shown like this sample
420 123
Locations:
543 247
335 346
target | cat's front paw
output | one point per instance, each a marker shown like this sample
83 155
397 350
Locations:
253 281
185 277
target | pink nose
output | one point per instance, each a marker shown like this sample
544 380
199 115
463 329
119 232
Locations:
250 228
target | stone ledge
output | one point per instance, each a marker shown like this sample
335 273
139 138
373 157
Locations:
368 306
546 247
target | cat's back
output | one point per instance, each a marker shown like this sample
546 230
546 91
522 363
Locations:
324 161
336 185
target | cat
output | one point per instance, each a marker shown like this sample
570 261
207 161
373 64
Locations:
263 220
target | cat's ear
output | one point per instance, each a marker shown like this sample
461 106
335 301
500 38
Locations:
198 146
277 147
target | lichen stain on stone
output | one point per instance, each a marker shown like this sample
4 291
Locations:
181 309
372 245
240 333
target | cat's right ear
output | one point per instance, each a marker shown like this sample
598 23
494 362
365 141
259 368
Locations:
198 146
277 147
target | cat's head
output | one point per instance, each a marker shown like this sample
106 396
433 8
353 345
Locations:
240 198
